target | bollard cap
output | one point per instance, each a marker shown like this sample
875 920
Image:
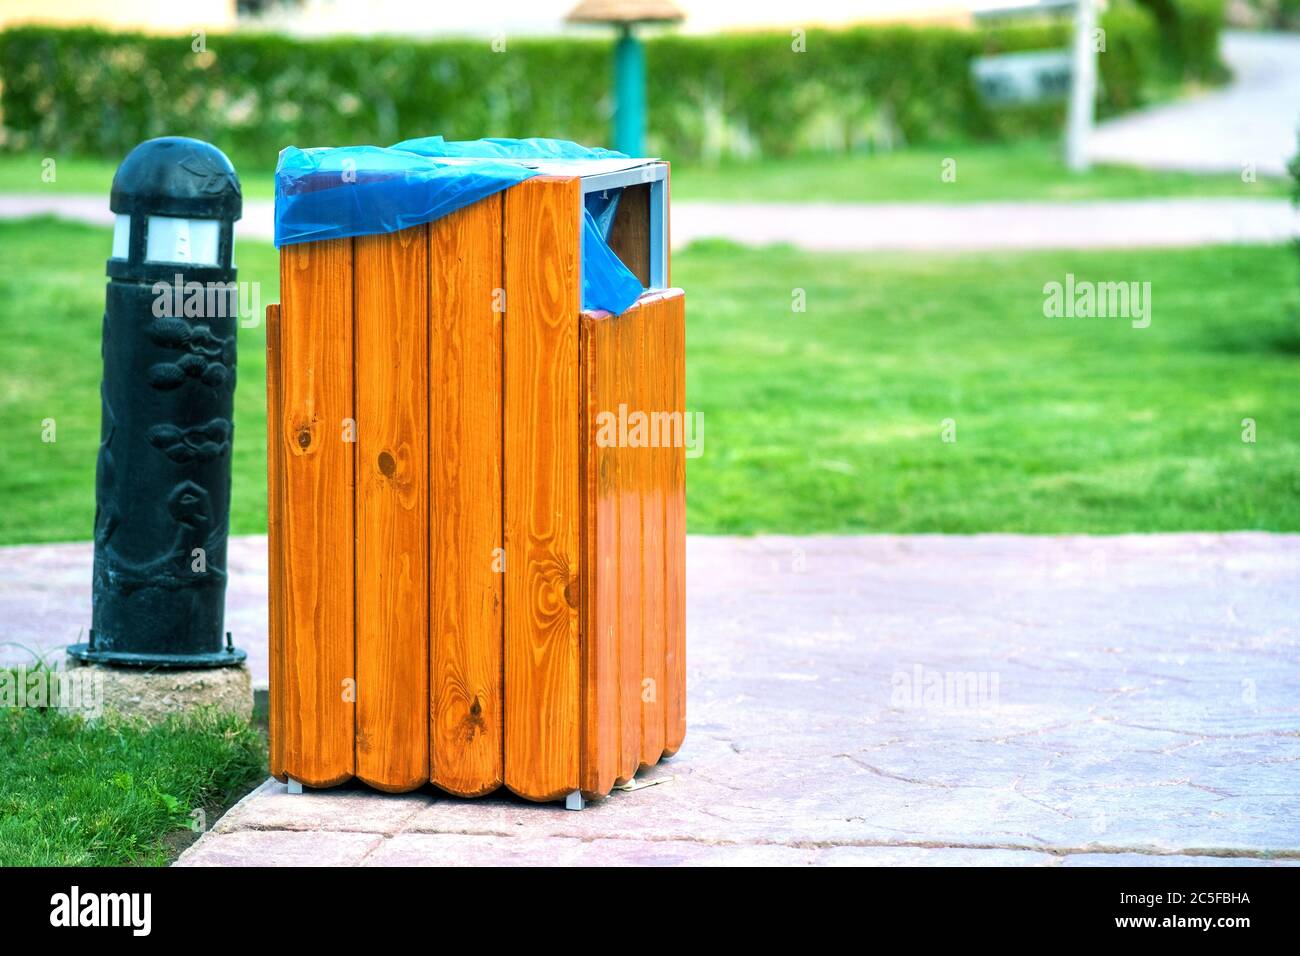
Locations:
177 176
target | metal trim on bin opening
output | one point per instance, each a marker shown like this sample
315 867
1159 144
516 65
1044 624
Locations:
656 175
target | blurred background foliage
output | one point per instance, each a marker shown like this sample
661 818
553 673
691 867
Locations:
94 93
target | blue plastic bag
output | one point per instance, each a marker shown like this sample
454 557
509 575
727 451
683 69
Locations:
606 282
333 193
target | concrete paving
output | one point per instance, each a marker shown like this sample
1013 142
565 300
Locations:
865 227
1255 119
45 601
991 699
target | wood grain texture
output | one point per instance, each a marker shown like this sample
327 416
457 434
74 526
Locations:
542 422
673 368
629 491
274 544
600 554
312 512
465 584
651 457
392 536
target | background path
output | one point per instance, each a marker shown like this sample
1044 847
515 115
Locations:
1254 119
847 227
1100 224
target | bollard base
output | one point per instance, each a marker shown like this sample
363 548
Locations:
156 694
89 654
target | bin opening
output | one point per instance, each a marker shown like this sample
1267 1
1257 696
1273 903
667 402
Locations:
623 217
630 207
334 193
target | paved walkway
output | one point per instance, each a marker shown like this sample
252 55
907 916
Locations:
850 227
1130 699
1254 119
45 600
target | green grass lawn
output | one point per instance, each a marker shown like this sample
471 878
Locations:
52 278
1003 171
828 420
115 792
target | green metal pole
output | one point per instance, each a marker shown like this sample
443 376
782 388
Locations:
629 94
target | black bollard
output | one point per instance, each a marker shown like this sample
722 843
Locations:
162 484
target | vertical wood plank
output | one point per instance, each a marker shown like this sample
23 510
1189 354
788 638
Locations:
274 544
628 496
392 586
465 613
674 366
600 553
542 587
651 458
313 523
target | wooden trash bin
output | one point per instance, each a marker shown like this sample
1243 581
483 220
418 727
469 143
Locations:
470 583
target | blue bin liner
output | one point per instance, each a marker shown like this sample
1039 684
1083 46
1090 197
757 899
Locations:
336 192
603 206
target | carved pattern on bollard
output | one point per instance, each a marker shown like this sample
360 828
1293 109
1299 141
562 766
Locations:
162 488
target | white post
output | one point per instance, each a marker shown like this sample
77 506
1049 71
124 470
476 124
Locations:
1083 87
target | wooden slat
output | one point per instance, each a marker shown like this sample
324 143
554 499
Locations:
628 496
392 585
674 367
542 587
315 494
465 613
651 401
274 511
601 729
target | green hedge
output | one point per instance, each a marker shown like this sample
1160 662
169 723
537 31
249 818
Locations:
1189 35
89 92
